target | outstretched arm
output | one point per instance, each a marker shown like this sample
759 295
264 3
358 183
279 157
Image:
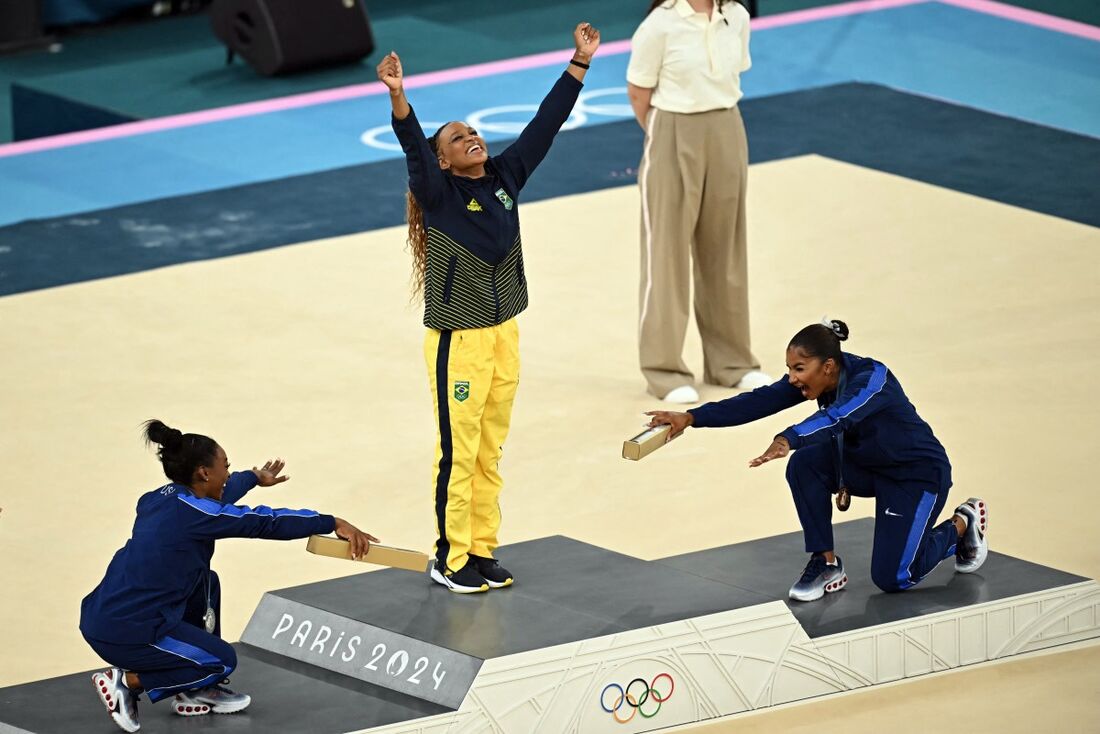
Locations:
587 40
747 407
390 74
519 160
425 176
864 396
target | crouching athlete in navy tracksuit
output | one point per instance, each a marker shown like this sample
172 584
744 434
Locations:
866 437
154 615
464 234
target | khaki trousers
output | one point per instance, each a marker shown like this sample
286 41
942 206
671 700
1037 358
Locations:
693 178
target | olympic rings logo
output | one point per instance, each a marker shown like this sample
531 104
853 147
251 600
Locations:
636 695
487 121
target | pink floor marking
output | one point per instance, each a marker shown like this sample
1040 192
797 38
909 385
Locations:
1029 17
475 71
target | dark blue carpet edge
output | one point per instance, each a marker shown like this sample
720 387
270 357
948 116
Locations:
1006 160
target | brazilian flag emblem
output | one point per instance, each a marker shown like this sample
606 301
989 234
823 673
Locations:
504 199
462 390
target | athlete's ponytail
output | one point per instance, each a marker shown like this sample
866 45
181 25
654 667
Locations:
180 453
821 340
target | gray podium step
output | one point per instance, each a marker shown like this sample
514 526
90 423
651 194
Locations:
417 637
769 566
286 697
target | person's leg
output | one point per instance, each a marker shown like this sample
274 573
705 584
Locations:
670 191
907 546
487 482
460 369
118 689
811 474
721 252
185 659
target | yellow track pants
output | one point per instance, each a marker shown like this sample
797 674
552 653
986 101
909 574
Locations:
473 375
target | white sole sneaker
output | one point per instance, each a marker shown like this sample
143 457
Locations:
185 707
753 380
445 580
210 700
682 395
830 579
112 690
829 588
977 515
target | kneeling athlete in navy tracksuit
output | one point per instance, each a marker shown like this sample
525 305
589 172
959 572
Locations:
866 437
154 615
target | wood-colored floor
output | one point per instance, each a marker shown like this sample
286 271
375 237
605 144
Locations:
989 315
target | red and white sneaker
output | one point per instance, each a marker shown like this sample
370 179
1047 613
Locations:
216 699
972 548
120 701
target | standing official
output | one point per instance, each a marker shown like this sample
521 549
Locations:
684 82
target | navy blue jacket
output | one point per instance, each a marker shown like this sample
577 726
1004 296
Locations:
145 590
475 272
880 427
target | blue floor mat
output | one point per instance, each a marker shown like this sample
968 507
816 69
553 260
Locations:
932 49
923 139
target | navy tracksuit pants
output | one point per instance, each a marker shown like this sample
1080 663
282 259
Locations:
186 659
907 547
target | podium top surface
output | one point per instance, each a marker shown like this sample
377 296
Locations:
565 591
769 566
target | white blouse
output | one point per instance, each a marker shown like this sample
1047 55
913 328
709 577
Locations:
692 62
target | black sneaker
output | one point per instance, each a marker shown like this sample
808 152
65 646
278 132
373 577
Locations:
466 580
494 574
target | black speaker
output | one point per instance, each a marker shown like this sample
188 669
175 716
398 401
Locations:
281 36
20 25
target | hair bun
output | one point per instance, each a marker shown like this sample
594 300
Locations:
839 328
160 434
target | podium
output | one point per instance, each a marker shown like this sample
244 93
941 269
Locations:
590 640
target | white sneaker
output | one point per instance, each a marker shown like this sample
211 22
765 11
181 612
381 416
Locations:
218 699
972 548
753 380
682 394
120 701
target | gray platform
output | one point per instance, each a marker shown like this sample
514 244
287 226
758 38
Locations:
566 591
769 566
287 697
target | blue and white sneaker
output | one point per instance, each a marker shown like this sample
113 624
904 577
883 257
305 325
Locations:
972 548
216 699
819 579
120 701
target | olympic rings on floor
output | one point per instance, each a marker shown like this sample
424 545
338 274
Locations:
636 698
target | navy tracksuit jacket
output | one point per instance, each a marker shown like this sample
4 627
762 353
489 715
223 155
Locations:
475 275
146 615
868 436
